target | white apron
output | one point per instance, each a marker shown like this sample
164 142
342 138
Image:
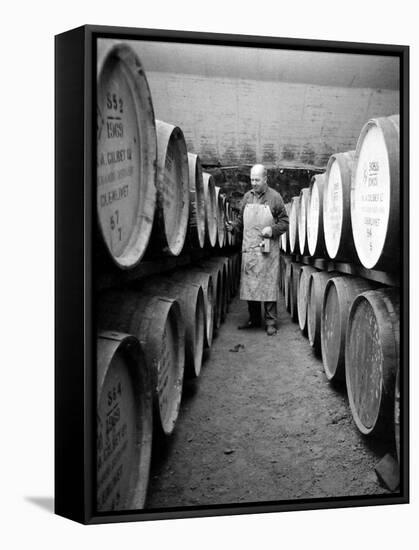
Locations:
260 272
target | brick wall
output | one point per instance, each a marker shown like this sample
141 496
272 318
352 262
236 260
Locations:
236 121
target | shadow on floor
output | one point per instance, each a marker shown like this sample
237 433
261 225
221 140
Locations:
46 503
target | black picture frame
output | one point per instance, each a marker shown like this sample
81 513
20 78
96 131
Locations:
75 144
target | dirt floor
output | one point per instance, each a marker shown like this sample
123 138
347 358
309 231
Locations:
262 424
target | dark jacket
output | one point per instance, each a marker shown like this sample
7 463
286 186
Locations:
274 200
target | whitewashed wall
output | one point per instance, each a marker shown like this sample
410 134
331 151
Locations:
235 121
280 107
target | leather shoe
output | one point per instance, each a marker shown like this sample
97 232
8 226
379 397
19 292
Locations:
270 330
249 324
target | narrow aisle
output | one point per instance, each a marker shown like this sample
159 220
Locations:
262 423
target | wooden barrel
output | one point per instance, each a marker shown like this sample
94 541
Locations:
228 292
375 195
336 207
126 157
302 295
293 225
316 288
226 233
157 323
397 414
219 263
172 210
216 272
190 297
287 284
285 236
205 280
302 221
232 276
315 232
283 264
293 289
239 268
236 261
372 357
281 272
196 225
220 216
124 423
211 232
235 236
339 295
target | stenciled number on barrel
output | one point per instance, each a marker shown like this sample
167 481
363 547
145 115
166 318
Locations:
114 223
115 103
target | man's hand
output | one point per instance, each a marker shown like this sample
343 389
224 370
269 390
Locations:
267 232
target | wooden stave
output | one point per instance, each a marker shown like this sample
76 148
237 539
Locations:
293 225
387 303
228 292
319 249
302 295
281 272
293 289
134 312
390 127
232 276
196 224
165 239
108 344
302 225
287 284
228 217
347 289
192 305
317 285
211 227
236 272
140 237
219 262
346 250
220 216
204 279
216 273
284 239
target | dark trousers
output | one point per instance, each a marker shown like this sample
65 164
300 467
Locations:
255 313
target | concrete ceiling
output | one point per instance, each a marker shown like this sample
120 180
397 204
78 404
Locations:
329 69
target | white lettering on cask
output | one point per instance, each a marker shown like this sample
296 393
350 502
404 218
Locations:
118 159
115 446
370 197
313 218
333 209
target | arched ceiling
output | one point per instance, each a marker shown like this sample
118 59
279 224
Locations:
318 68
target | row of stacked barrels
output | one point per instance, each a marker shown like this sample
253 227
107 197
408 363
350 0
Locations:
354 324
152 196
351 213
152 336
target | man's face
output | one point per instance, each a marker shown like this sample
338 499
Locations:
258 180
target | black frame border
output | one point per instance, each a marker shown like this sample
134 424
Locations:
75 148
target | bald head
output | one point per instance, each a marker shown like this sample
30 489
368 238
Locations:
258 178
259 169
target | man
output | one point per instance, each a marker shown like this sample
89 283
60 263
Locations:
262 216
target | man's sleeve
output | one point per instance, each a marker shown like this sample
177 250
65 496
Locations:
280 216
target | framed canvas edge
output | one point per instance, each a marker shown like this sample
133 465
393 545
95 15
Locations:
74 349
